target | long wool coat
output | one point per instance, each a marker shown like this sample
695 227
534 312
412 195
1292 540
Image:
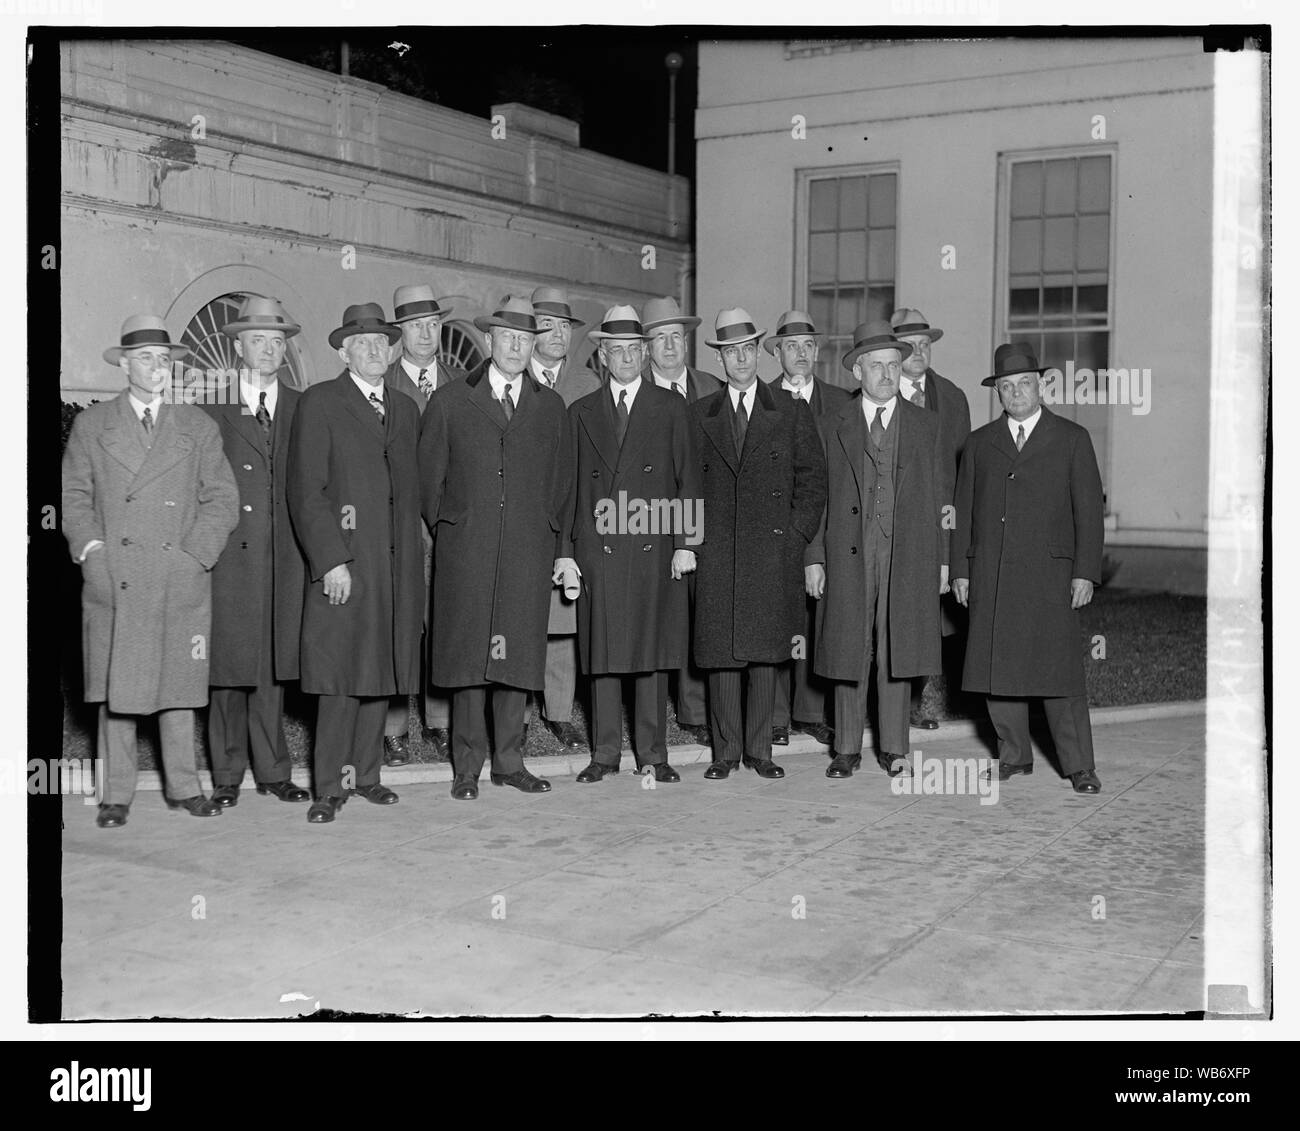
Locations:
354 499
1027 522
953 409
260 573
493 495
163 517
632 615
920 545
760 513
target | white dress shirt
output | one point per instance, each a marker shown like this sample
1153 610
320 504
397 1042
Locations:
539 372
139 406
251 395
908 386
803 392
672 384
869 408
749 395
632 387
500 383
1029 424
413 371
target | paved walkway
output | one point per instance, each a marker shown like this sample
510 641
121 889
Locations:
743 896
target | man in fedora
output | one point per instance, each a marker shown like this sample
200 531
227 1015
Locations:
796 346
419 373
879 560
632 444
1027 551
764 487
148 503
257 584
552 369
924 387
355 503
495 467
667 346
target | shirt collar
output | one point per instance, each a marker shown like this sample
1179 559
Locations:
413 371
632 388
499 382
911 384
869 409
366 387
668 382
138 406
751 395
539 369
804 392
251 395
1030 423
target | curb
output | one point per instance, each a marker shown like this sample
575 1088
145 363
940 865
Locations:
567 765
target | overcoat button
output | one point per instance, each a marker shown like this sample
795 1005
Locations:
169 503
595 474
1012 475
243 545
648 468
247 507
776 494
607 549
248 467
853 549
854 510
124 585
648 546
1003 518
778 531
126 541
167 545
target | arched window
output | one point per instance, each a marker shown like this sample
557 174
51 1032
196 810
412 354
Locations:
214 353
461 345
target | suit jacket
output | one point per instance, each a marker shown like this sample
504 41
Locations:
699 384
1027 522
260 574
761 510
397 379
825 398
164 516
493 494
632 615
919 545
573 382
353 494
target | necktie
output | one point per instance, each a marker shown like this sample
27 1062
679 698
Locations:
1020 437
507 403
426 386
678 387
147 419
550 378
742 423
377 405
878 426
263 414
918 395
622 416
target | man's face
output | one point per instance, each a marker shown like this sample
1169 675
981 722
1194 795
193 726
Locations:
552 345
420 337
510 349
919 361
798 358
879 372
1021 394
741 363
366 355
623 359
148 370
668 348
262 352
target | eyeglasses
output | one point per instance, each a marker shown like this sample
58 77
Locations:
627 352
735 353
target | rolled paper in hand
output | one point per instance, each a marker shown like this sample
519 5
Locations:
571 583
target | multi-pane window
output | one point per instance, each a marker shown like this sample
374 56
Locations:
851 250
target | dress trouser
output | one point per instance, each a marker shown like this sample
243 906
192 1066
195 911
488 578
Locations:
117 751
469 733
437 708
1067 718
809 705
561 679
731 736
649 717
241 719
893 696
690 699
349 743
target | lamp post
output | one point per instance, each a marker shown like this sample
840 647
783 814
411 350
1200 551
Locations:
673 62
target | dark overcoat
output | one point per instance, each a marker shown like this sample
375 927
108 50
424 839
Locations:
761 511
1028 522
163 516
919 545
397 380
953 409
260 573
632 615
353 493
493 495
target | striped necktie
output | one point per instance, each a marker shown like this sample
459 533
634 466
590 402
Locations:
426 386
147 420
377 405
1020 437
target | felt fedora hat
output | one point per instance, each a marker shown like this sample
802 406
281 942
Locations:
512 313
258 313
364 318
909 321
417 301
874 336
619 322
143 330
732 327
792 324
666 312
1012 358
555 302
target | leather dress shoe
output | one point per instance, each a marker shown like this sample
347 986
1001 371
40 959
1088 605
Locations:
720 768
524 781
196 806
662 772
780 736
1086 781
396 752
227 796
112 816
697 732
820 731
764 767
323 809
440 739
464 787
923 722
1009 770
843 765
594 771
284 790
568 734
893 764
378 793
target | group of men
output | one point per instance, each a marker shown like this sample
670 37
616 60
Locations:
408 528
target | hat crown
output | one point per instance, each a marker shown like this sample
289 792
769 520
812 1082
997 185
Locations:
736 316
619 322
1014 357
552 295
662 310
793 322
138 322
414 292
362 312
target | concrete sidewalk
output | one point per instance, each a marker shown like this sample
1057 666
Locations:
803 895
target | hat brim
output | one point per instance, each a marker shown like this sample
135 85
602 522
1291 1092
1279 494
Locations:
442 312
686 321
991 381
234 329
601 336
339 336
485 322
773 343
904 348
932 334
735 341
114 354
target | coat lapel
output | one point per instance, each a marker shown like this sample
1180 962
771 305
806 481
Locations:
239 419
639 428
851 430
118 439
762 413
171 444
595 421
717 427
482 399
359 406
